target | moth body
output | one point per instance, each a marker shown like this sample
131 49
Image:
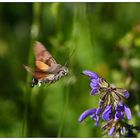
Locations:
51 78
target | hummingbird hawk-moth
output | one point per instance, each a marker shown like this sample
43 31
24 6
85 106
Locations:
47 70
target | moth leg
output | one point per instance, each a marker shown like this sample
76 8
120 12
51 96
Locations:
39 83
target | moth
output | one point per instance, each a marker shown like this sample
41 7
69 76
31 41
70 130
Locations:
47 70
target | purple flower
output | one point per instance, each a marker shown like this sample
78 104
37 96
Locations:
126 94
94 91
91 74
93 113
94 81
99 111
95 116
128 112
94 85
120 109
112 130
86 114
107 114
110 105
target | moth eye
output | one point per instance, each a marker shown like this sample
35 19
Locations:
62 72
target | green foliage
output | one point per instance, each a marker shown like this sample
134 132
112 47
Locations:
105 38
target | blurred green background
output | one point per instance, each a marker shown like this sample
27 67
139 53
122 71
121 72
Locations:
105 38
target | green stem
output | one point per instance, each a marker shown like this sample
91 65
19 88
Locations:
26 129
67 89
64 111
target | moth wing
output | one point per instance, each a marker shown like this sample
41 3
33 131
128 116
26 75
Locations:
42 66
39 74
43 55
28 69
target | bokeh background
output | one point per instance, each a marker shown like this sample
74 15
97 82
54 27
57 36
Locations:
102 37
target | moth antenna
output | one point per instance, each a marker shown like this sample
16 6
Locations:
66 63
73 51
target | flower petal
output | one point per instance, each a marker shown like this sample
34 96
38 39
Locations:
112 130
93 91
107 113
126 94
93 85
96 118
119 115
94 81
91 74
98 112
128 112
97 121
86 114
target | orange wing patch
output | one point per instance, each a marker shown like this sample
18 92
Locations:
42 66
39 74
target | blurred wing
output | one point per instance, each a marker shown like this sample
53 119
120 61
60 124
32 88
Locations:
28 69
43 55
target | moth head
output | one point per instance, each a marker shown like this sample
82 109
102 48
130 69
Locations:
63 70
